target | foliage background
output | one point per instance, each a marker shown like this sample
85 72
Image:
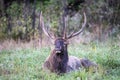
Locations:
20 19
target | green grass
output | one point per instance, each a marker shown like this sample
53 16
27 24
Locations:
25 64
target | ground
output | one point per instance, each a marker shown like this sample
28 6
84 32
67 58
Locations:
25 64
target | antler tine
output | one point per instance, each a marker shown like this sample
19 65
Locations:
77 33
64 26
43 27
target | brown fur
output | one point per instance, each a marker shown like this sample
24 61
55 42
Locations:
57 64
73 64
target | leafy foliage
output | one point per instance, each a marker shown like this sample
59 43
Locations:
19 19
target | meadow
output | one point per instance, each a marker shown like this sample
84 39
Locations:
25 63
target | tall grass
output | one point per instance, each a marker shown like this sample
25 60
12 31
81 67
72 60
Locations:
25 64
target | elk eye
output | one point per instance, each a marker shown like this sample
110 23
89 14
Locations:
64 45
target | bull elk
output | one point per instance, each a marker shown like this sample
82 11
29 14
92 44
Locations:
58 61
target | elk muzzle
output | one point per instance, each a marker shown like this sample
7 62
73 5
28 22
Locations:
58 50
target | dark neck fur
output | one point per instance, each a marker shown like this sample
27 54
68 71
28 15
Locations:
60 66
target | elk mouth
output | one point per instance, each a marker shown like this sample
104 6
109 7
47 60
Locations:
57 52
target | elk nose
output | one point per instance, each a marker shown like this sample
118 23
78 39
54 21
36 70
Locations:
57 49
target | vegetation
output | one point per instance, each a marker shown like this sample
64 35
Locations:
22 64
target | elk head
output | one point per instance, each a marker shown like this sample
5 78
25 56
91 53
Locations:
60 45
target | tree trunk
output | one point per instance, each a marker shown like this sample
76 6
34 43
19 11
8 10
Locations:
2 12
33 18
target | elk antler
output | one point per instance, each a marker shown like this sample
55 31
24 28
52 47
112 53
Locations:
77 33
43 27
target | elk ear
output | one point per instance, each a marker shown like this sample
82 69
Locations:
52 41
66 42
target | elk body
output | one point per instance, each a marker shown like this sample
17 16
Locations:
59 61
